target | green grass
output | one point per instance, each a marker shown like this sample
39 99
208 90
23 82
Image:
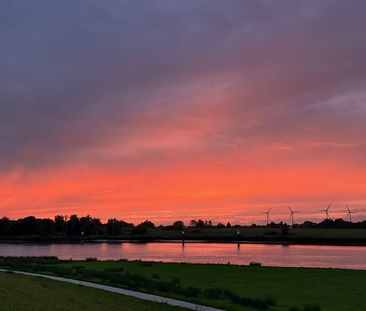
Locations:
331 289
262 234
24 293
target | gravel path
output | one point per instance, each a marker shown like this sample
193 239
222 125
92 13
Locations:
126 292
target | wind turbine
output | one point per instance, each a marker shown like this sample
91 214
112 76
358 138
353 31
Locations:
349 213
267 213
326 211
292 212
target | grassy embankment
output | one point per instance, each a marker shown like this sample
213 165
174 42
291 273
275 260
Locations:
226 286
296 235
257 235
24 293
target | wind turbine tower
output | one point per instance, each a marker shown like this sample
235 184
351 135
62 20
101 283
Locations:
292 212
267 215
327 211
349 213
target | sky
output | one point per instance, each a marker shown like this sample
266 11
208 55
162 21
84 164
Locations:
170 109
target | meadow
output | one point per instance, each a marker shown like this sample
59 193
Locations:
229 287
266 234
320 236
25 293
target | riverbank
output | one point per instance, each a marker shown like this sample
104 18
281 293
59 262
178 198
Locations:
263 235
144 241
26 293
129 293
345 257
228 287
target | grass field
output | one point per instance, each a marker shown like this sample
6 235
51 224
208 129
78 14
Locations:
290 288
24 293
263 234
257 234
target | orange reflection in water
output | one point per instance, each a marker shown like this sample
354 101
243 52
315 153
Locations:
349 257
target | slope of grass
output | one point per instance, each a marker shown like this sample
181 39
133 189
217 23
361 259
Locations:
257 234
24 293
331 289
299 235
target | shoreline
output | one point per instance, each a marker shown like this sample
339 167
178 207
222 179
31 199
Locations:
187 241
158 278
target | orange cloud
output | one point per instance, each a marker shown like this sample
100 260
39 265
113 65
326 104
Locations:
223 189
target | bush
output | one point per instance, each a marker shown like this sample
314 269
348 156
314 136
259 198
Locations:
114 269
32 259
285 229
175 281
139 230
144 263
91 259
312 307
191 291
213 293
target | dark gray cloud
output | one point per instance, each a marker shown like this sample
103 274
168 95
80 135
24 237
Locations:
77 76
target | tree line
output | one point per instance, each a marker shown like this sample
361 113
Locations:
73 226
88 225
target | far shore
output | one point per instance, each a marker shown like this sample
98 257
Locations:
264 235
209 241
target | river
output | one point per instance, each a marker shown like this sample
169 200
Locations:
348 257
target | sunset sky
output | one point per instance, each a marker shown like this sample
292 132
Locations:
172 109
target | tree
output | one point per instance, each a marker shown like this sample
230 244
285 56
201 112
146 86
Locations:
46 226
90 225
147 224
201 223
6 226
285 229
28 226
73 225
60 223
114 226
178 225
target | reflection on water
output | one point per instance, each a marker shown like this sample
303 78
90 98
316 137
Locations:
350 257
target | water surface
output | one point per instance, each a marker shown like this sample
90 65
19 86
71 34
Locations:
349 257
